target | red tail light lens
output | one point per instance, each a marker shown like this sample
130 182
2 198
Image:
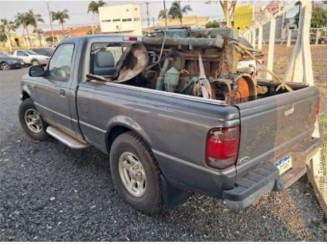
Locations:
132 38
222 147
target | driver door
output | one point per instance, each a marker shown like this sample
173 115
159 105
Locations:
53 93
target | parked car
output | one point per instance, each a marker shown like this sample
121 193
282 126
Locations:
7 62
47 51
30 57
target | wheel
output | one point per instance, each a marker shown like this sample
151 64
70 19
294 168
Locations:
4 66
31 121
135 173
35 62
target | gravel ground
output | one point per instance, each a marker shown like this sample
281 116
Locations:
49 192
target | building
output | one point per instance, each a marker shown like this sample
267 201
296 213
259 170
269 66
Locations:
20 41
72 31
122 19
196 21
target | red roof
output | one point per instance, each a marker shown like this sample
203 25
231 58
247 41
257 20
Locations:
73 31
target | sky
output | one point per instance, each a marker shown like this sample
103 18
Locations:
79 16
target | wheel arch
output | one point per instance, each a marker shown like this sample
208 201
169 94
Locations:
25 95
117 129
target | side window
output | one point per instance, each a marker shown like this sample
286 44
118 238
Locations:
21 53
104 58
61 62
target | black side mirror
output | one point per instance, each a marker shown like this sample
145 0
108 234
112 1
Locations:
36 71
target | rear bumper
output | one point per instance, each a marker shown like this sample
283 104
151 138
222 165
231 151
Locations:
251 187
265 177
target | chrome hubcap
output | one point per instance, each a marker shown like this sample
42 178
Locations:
33 120
132 174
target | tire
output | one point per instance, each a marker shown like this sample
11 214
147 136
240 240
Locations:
31 121
4 66
35 62
128 152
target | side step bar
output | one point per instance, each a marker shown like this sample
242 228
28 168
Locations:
67 139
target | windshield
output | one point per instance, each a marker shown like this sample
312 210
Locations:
31 52
3 54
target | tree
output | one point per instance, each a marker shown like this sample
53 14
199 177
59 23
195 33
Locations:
60 16
212 24
6 28
175 11
163 14
94 9
34 20
228 10
25 21
94 6
318 18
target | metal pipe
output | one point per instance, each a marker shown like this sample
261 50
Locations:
190 42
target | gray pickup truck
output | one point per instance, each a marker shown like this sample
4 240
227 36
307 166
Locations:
175 115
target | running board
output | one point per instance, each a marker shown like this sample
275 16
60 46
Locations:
67 139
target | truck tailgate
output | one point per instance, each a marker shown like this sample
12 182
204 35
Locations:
269 126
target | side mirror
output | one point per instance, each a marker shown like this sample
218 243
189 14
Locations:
36 71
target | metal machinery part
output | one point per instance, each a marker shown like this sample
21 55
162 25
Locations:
205 67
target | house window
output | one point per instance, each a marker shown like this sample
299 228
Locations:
115 20
127 20
136 19
106 20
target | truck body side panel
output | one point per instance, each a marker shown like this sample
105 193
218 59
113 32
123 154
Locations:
174 127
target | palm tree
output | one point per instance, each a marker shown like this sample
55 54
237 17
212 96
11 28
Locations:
25 21
61 16
163 14
34 19
94 9
7 27
175 11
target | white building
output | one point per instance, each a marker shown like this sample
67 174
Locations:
124 19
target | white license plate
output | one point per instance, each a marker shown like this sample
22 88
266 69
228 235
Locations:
284 164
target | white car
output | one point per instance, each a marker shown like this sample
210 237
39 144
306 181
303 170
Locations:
30 57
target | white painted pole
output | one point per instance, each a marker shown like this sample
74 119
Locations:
289 37
253 32
306 49
260 38
271 48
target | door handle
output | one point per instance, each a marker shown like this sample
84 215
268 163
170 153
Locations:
62 92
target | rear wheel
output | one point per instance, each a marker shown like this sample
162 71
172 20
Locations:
135 173
31 121
4 66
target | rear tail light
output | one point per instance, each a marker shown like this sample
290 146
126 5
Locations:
132 38
222 147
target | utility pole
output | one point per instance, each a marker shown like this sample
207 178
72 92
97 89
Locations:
50 20
148 17
164 3
147 14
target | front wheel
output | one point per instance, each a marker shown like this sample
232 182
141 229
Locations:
31 121
135 173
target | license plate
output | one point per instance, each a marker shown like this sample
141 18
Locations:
284 164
